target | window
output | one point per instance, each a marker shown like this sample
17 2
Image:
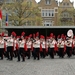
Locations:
65 14
43 13
48 13
9 1
48 2
29 23
33 23
68 4
52 14
56 10
19 0
29 3
64 4
1 1
48 23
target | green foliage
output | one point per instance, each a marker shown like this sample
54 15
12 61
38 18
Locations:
22 12
63 20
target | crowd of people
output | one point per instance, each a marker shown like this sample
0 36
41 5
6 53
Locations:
37 46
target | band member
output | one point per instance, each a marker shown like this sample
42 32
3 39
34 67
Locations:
33 40
43 44
21 51
15 46
29 43
52 44
47 45
61 44
1 46
69 47
10 46
36 46
74 46
58 40
69 43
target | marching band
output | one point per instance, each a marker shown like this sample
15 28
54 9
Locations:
37 46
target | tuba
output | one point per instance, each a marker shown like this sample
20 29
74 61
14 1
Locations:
70 33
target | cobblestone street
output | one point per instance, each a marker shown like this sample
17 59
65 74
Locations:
45 66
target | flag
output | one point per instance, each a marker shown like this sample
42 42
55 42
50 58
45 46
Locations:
6 19
0 15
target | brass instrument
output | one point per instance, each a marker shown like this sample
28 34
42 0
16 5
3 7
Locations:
59 45
68 42
49 45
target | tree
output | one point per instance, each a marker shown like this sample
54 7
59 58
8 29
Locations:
65 16
23 13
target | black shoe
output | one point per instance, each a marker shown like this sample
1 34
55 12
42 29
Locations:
23 60
62 56
38 59
7 58
1 59
43 56
59 56
10 59
28 57
69 56
18 61
34 58
52 57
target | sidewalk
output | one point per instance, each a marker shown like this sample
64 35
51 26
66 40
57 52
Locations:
45 66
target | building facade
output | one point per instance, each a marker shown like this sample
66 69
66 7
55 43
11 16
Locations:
66 13
49 11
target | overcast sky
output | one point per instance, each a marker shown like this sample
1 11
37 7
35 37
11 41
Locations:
60 1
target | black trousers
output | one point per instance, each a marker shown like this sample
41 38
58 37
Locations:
43 53
61 52
36 53
15 53
51 52
69 51
28 53
32 53
1 52
73 52
21 53
10 52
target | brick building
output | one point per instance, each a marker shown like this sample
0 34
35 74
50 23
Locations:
49 11
66 13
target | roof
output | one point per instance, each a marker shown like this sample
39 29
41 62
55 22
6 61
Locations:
36 27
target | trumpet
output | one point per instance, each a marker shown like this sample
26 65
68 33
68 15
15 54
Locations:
68 42
48 44
59 45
